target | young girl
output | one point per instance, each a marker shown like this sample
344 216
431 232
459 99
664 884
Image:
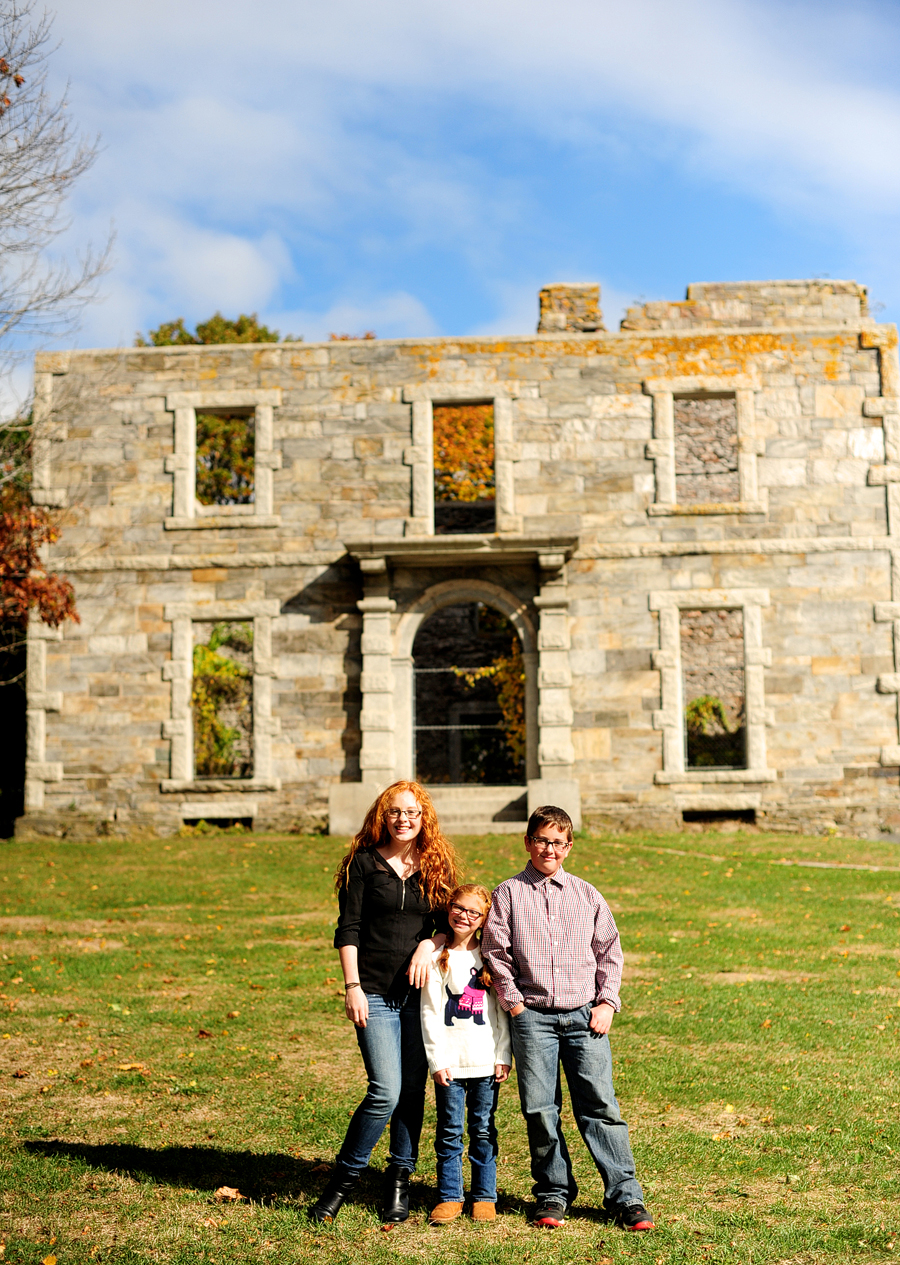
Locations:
467 1044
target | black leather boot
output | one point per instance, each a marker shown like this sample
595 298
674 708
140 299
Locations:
396 1195
339 1186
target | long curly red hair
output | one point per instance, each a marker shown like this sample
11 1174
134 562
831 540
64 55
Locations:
438 862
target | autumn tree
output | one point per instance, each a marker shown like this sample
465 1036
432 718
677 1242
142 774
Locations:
463 452
41 156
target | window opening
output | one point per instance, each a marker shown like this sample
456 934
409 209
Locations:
720 818
226 444
712 658
222 699
706 450
464 488
469 723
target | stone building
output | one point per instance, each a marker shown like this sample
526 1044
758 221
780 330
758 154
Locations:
692 543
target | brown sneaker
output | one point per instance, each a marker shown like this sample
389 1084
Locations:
443 1214
482 1211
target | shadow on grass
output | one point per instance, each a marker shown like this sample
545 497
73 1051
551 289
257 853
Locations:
262 1178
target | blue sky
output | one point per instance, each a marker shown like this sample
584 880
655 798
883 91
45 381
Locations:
419 168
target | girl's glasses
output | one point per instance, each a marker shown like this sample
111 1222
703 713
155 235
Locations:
469 914
411 814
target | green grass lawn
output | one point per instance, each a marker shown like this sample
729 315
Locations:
170 1023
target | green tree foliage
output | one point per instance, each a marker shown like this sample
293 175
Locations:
464 452
703 712
711 741
218 329
225 458
507 671
220 683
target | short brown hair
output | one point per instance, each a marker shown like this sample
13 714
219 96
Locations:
549 815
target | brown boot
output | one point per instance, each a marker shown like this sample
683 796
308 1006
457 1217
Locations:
482 1211
444 1213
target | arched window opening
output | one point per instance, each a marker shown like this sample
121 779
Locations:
469 721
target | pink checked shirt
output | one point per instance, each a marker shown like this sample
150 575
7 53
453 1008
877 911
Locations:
551 943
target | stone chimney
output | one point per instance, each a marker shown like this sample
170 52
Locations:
570 309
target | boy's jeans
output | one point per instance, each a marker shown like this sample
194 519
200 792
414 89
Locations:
394 1054
479 1094
541 1040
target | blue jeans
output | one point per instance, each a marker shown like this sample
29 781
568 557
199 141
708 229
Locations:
541 1041
479 1095
394 1057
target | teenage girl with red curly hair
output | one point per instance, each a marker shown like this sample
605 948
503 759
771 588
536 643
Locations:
392 889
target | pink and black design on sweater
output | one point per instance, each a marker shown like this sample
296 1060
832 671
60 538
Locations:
469 1004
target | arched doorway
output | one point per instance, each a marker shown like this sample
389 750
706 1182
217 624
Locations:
469 712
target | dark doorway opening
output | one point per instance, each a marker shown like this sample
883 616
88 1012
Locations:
469 725
12 727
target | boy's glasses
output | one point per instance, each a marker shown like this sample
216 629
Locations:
549 845
411 814
469 914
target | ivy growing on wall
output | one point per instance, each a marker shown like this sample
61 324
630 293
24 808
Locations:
222 700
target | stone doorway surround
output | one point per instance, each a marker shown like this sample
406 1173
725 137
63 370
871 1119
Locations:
387 666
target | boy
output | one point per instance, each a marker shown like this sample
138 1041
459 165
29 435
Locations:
552 947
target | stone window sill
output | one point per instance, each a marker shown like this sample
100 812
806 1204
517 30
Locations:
222 520
711 507
231 785
665 777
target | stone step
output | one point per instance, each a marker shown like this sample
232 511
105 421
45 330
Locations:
474 810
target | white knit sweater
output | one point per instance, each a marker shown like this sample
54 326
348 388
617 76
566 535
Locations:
463 1027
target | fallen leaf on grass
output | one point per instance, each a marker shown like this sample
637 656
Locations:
233 1014
49 1260
386 1229
128 1067
19 1075
86 1063
228 1194
766 1023
202 1033
321 1168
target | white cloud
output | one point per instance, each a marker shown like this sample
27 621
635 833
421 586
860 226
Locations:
244 143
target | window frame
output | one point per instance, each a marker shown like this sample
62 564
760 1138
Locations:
661 449
420 455
669 719
187 512
179 729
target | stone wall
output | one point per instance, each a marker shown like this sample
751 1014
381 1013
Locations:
595 556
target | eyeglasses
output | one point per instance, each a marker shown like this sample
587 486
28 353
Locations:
469 914
411 814
552 845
